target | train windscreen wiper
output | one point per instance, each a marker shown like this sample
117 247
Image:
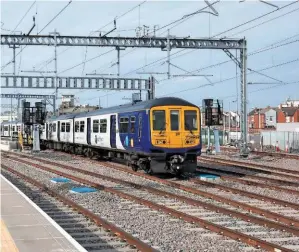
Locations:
188 127
162 128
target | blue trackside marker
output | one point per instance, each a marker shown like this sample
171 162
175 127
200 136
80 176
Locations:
208 176
60 180
82 190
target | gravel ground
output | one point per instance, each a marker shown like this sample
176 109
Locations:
278 162
100 169
89 235
155 227
219 219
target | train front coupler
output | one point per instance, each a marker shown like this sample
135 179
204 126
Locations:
176 163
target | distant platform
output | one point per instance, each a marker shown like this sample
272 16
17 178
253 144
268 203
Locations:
26 228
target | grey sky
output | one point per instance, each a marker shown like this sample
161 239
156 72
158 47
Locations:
83 17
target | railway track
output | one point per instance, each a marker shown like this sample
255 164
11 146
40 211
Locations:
265 153
91 231
260 168
226 216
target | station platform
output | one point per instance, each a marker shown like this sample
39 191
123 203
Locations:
26 228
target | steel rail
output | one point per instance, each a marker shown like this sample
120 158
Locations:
250 240
277 154
265 153
212 207
131 240
254 183
251 209
246 193
253 167
221 170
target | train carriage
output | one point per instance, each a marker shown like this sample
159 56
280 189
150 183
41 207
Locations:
160 135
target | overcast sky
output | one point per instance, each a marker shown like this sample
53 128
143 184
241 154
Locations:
83 17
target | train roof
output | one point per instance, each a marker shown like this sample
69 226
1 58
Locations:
164 101
10 122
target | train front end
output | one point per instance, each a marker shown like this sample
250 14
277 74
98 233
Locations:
175 138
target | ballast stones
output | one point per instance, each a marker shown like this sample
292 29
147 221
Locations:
208 177
60 180
82 190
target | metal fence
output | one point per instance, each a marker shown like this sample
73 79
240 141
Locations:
266 141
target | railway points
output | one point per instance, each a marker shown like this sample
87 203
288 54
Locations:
198 157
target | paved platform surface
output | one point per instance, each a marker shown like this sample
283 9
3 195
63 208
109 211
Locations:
25 228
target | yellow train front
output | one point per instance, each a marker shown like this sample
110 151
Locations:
171 139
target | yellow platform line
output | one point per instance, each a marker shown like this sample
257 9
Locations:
7 243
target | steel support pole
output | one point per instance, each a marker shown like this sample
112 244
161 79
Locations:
168 55
18 109
14 74
244 129
118 61
228 138
56 76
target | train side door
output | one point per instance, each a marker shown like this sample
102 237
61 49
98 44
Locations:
58 131
113 131
47 130
88 131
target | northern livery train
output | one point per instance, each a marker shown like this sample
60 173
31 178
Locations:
158 136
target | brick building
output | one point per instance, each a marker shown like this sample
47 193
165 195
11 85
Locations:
263 118
288 115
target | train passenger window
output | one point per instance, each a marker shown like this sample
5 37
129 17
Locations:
103 125
159 120
62 127
124 125
82 126
140 126
174 119
68 127
13 128
77 127
18 128
191 120
54 127
133 120
95 126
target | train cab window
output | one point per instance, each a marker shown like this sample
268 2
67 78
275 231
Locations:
62 127
77 127
103 125
5 128
54 127
124 125
191 120
68 127
95 126
132 120
82 123
174 120
159 120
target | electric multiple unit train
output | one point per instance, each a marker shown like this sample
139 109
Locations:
158 136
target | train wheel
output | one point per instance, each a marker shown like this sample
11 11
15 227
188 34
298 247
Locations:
148 169
134 167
